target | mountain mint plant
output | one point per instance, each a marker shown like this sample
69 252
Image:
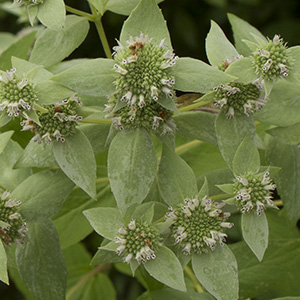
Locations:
137 178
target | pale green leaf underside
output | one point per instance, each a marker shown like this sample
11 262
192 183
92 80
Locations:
3 264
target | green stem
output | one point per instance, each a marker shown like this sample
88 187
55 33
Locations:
221 196
97 121
97 20
193 106
193 278
102 179
78 12
186 146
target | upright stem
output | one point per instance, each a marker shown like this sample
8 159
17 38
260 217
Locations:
101 32
80 13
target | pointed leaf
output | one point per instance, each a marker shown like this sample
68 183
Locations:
256 232
3 264
289 135
94 77
246 158
4 139
218 47
144 212
43 193
146 18
76 158
105 220
204 189
52 46
176 179
167 269
41 262
132 166
226 188
217 272
192 75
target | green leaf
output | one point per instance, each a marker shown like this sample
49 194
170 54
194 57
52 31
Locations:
51 46
41 262
106 254
218 47
94 77
146 18
32 11
50 92
52 14
176 179
192 124
20 48
192 75
246 159
289 135
217 272
122 7
6 39
167 293
36 155
242 69
3 264
76 158
144 212
4 139
131 166
283 106
226 188
167 269
204 191
231 132
105 220
99 5
287 157
294 53
4 119
243 31
255 232
10 178
22 66
43 193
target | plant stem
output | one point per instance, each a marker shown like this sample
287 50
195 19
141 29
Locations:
97 20
221 196
196 283
187 146
97 121
78 12
193 106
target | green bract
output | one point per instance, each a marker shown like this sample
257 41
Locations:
12 227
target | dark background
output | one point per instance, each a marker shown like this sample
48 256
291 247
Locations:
188 22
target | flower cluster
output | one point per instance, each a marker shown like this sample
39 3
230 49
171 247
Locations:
254 192
271 61
198 225
58 122
144 77
227 62
15 95
138 241
29 2
244 98
14 227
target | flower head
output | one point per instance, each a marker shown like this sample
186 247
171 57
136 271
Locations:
137 241
145 71
245 98
253 192
15 229
16 95
198 225
29 2
56 124
271 60
226 62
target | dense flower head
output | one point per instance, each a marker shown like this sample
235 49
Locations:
145 71
29 2
253 192
227 62
198 225
137 241
57 123
16 95
271 61
153 116
15 229
245 98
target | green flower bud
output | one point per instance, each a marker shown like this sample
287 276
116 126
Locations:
137 241
271 61
197 226
254 192
245 98
16 95
56 124
15 229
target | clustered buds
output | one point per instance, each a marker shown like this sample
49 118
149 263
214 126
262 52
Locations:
16 95
271 61
137 241
254 192
13 228
57 123
245 98
145 77
198 225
